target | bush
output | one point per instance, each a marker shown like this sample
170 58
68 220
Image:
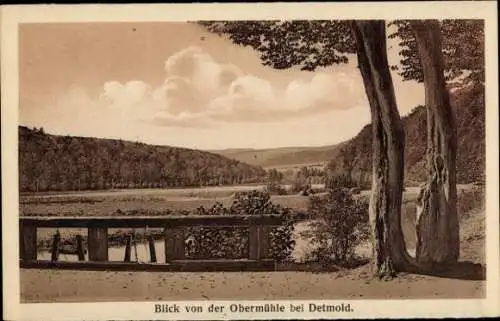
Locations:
340 223
301 185
469 199
229 242
274 188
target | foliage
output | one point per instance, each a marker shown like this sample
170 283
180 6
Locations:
312 44
233 243
340 224
302 182
308 44
470 199
274 188
463 50
50 162
346 181
274 175
354 158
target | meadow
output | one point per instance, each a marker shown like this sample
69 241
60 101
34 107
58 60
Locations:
148 201
158 201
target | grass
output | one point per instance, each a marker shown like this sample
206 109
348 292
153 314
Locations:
102 203
107 203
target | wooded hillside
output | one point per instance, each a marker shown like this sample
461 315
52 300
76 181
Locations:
354 158
60 163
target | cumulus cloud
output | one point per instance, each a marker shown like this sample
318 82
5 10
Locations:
127 94
199 92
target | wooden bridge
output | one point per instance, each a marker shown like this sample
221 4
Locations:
259 228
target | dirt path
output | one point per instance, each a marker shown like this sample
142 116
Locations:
78 286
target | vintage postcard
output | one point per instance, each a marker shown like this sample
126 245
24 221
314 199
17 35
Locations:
250 161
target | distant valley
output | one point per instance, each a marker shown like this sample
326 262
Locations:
283 157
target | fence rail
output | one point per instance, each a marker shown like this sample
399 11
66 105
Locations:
259 227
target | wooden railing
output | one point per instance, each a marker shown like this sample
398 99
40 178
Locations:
259 227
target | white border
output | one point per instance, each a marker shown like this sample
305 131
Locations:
11 16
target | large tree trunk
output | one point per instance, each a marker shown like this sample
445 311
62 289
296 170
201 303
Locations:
437 223
389 248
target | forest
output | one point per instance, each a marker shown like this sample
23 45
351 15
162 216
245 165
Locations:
354 158
60 163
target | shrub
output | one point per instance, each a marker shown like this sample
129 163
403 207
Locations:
340 223
300 185
224 242
282 242
469 199
274 188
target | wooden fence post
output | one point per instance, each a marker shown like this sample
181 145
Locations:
98 243
152 250
264 241
253 242
56 239
174 244
27 242
128 243
79 248
259 241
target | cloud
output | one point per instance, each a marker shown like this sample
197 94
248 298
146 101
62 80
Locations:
125 95
201 92
204 73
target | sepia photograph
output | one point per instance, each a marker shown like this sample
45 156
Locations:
252 160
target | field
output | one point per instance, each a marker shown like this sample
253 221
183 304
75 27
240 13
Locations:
71 286
102 203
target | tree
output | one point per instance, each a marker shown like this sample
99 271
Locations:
388 148
462 44
437 226
314 44
274 176
441 54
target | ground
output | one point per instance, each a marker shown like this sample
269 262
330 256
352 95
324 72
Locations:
464 281
78 286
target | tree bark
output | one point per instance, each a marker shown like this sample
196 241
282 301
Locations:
389 247
438 239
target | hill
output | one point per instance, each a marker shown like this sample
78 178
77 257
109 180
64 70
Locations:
284 156
354 158
50 162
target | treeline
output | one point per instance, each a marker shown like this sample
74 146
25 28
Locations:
300 181
62 163
314 174
353 163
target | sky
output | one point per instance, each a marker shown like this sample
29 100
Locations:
176 84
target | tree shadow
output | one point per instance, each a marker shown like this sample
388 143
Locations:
464 270
323 266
